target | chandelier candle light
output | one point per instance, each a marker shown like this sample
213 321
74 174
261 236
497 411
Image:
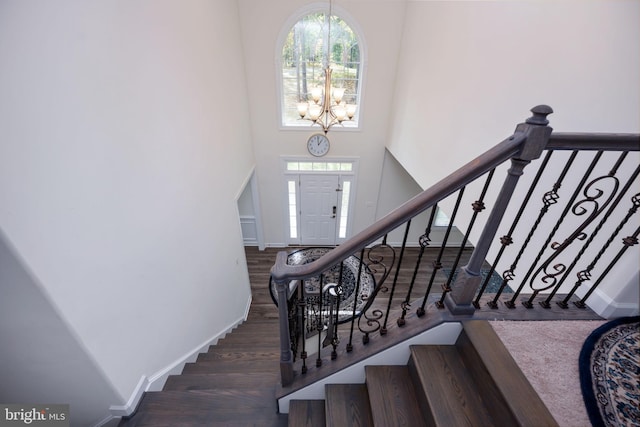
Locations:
326 107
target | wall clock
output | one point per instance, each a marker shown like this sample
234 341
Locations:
318 144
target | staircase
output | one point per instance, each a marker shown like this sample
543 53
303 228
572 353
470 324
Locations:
233 384
474 382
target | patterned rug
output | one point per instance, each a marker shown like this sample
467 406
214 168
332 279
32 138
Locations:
610 373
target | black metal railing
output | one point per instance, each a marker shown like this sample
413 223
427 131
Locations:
567 219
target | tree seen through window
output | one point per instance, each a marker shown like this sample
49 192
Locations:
304 57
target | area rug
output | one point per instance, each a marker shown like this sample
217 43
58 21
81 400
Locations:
610 373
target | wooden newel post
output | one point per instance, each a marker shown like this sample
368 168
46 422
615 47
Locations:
536 130
286 357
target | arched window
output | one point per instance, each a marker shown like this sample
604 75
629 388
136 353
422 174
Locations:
305 56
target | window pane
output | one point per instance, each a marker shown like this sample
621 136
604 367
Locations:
305 56
293 210
344 209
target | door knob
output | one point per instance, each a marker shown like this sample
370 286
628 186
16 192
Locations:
334 212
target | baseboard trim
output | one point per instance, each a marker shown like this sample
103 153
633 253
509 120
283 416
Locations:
603 305
131 405
156 381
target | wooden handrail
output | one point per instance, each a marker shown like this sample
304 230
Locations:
594 141
423 201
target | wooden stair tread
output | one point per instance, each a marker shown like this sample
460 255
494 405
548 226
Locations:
221 366
392 396
347 405
448 396
193 401
194 408
239 347
238 355
214 381
250 338
307 413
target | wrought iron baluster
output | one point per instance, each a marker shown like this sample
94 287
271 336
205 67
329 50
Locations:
320 324
627 243
555 228
437 264
303 315
478 206
578 209
548 199
383 330
376 263
424 242
507 239
357 292
547 303
585 274
335 339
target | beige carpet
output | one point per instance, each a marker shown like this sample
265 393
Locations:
547 352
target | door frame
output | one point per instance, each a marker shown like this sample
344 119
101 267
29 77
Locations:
343 175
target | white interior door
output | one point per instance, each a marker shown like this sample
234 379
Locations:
318 209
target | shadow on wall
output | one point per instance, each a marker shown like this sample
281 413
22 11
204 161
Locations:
42 360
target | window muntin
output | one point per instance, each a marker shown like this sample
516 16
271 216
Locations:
304 57
307 166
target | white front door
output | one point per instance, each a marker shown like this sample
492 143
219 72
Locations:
319 209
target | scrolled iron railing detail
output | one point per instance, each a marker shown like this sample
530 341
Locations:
372 319
547 202
591 206
604 218
585 275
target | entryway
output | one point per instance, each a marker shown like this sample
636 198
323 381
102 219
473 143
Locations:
318 201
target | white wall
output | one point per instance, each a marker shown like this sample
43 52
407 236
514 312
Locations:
469 71
397 187
123 145
42 360
380 23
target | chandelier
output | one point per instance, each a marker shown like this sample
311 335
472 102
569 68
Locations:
326 107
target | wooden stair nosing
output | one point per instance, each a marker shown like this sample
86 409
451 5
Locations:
499 377
392 396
